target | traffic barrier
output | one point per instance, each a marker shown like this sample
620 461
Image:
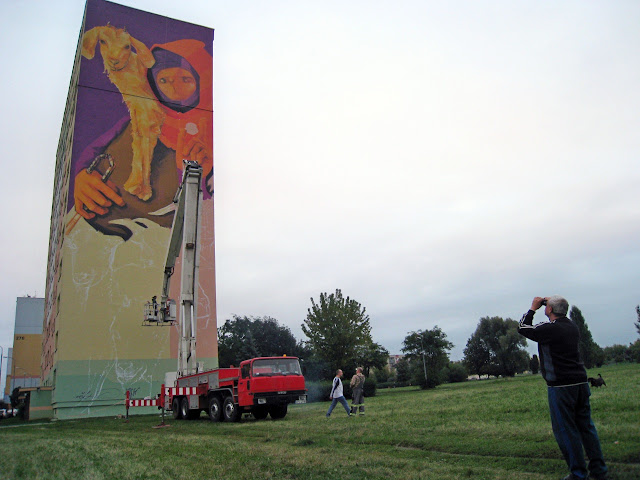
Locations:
160 400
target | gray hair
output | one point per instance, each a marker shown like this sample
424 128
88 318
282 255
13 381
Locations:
558 304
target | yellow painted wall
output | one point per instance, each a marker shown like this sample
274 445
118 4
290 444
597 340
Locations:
26 355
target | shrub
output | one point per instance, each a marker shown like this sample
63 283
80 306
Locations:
622 353
370 387
318 391
616 354
455 372
393 384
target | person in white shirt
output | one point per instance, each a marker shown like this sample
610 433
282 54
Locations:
337 395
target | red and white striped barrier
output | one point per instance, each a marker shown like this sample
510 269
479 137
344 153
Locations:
143 403
160 401
181 391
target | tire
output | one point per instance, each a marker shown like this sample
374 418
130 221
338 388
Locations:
230 410
215 409
260 413
184 409
278 412
175 407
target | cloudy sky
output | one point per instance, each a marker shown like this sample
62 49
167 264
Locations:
437 161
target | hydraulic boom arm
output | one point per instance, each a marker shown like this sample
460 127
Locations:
185 237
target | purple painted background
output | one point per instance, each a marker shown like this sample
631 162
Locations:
99 107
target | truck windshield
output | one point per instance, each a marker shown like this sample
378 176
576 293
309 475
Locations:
276 366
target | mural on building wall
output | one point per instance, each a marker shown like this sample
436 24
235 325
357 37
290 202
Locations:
144 104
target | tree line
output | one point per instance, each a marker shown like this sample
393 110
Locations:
338 332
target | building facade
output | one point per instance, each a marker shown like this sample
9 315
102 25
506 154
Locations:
22 368
140 101
393 360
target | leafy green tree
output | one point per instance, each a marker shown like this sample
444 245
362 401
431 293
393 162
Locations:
315 369
505 346
245 337
249 349
637 324
616 354
18 402
382 374
338 329
371 355
477 355
591 353
633 351
427 350
403 370
534 364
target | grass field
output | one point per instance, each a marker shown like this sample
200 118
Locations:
489 429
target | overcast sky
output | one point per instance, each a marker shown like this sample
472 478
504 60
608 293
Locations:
437 161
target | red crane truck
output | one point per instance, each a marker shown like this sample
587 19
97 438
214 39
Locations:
260 386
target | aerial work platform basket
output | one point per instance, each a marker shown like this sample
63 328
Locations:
155 315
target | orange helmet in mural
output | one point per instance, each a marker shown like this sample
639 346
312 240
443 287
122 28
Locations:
182 81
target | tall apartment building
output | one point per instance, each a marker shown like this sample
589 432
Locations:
141 91
22 368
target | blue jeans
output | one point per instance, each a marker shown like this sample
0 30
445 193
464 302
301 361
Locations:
344 403
574 429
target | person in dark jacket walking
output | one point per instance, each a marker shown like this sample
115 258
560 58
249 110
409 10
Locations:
567 388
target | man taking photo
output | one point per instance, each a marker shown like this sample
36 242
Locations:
567 388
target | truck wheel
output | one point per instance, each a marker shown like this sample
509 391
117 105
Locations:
278 412
175 407
231 410
214 410
184 409
260 413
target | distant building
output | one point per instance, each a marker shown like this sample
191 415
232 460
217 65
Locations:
22 368
393 360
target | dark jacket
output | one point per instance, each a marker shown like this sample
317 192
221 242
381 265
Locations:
560 361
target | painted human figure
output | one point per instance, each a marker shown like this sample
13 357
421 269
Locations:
182 82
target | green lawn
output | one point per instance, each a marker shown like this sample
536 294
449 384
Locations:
489 429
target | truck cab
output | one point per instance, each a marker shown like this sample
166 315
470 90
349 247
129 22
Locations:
267 385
